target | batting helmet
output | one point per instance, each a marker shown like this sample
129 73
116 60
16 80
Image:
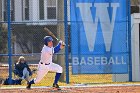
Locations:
47 39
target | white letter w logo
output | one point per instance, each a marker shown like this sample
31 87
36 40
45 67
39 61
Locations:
102 14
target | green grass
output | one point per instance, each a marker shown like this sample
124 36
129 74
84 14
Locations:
74 79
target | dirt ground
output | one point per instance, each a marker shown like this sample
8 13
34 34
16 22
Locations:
94 89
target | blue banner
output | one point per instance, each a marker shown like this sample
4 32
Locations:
99 34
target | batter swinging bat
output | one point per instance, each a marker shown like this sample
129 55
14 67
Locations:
50 33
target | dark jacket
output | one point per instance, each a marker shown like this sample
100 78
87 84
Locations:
19 69
14 82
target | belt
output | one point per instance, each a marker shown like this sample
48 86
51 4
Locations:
44 63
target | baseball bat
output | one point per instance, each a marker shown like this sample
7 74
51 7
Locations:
50 33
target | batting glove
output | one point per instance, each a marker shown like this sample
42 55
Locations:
62 43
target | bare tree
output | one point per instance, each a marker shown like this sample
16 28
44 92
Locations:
135 2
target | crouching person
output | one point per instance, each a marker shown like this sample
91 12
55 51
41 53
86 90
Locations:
22 69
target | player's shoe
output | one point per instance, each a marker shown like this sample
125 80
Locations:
28 86
56 86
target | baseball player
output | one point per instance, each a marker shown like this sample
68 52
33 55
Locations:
46 63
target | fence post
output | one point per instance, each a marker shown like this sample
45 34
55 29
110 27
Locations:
66 41
9 41
129 37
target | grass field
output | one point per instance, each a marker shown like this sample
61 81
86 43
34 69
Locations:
74 79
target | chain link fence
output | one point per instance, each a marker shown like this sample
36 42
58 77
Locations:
28 19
